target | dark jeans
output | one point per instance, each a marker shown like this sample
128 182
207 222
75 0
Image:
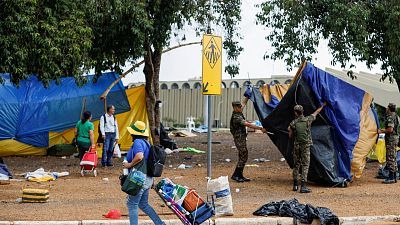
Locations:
108 149
82 150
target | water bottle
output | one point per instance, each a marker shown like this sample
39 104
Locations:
125 171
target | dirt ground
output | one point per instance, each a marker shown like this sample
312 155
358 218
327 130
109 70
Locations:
82 198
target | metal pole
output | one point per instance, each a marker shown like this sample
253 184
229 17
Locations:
205 111
209 138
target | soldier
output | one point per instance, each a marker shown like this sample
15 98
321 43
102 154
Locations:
391 140
300 129
238 130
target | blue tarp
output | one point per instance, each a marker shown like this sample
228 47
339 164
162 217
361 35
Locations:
345 103
29 112
335 131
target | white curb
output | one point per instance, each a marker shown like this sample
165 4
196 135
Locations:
45 222
105 222
360 220
247 221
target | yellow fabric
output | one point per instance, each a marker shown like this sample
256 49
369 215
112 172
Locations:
277 90
42 179
137 101
380 151
367 137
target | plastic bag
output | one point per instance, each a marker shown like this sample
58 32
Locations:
117 151
303 213
380 151
223 199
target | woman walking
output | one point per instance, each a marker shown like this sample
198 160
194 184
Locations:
138 152
84 134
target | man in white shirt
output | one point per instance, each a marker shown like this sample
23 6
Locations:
109 131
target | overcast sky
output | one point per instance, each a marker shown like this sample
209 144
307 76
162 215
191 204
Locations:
184 63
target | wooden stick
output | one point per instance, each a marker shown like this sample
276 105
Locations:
104 95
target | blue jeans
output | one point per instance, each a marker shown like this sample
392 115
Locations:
108 149
141 200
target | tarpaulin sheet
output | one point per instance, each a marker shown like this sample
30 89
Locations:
336 133
137 100
29 112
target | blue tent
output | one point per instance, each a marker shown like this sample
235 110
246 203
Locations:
29 112
342 134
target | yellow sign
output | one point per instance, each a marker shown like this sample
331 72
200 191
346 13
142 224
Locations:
212 64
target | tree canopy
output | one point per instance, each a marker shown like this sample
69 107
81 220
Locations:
367 30
54 39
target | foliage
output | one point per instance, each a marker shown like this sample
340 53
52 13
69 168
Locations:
118 33
48 38
367 30
199 121
55 39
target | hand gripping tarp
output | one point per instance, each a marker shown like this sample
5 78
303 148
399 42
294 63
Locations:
342 134
29 112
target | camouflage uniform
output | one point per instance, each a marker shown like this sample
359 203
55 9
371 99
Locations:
238 130
301 151
391 141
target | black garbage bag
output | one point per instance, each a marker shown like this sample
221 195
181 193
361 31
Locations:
303 213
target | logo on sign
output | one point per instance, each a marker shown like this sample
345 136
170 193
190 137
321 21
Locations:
212 53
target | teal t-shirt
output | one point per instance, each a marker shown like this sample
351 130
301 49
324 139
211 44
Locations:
83 132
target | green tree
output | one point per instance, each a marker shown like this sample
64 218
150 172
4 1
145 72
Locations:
51 39
366 30
55 39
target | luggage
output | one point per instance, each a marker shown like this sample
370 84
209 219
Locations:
201 214
192 201
89 162
156 161
172 194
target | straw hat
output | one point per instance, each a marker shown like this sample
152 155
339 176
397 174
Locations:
138 128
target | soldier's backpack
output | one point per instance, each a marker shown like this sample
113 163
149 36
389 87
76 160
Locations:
156 161
302 127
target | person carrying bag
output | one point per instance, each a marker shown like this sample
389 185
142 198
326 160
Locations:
137 184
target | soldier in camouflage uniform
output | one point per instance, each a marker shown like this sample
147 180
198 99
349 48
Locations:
300 129
238 130
391 140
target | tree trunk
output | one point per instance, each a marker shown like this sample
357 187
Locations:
152 73
157 65
148 71
397 79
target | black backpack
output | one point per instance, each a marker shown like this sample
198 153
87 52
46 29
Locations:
156 161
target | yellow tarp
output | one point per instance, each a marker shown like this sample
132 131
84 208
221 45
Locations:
277 90
366 139
137 101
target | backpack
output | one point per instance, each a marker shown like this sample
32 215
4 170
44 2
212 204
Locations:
156 161
302 127
100 139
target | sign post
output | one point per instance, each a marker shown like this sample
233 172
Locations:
211 81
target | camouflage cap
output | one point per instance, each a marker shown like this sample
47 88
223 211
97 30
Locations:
392 105
236 103
298 108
